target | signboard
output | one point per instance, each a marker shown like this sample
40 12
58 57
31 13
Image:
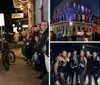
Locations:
2 23
18 15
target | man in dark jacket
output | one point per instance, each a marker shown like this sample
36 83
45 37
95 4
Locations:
41 47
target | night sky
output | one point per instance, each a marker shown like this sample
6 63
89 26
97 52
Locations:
95 5
6 5
57 48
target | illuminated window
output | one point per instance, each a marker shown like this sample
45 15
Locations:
74 5
82 8
89 10
78 7
66 5
86 9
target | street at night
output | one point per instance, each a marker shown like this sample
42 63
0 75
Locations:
20 73
24 31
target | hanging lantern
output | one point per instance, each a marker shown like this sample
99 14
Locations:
23 33
16 37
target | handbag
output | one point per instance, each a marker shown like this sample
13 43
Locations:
47 61
35 58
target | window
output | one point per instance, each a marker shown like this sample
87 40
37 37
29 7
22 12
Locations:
78 7
66 5
66 30
74 28
83 28
63 29
89 10
65 17
74 5
58 11
78 28
86 9
57 29
82 8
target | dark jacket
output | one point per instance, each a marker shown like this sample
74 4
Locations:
42 41
95 66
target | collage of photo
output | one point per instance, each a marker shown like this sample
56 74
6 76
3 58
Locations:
50 42
74 42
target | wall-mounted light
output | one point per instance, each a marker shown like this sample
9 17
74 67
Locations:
71 23
13 25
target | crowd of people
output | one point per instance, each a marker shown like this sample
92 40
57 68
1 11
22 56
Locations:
82 35
35 48
73 68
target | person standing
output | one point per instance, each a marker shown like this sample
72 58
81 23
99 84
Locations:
41 46
89 67
95 67
82 67
59 35
74 66
68 67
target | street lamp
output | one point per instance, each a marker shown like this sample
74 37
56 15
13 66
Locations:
71 23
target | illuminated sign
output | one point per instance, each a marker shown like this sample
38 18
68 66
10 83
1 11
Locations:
18 15
2 23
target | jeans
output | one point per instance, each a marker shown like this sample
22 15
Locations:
23 50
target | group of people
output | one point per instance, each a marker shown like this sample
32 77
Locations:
36 48
68 68
82 35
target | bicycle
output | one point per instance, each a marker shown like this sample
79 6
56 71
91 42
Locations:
8 57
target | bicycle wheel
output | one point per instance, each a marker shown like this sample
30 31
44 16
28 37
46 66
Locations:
5 62
11 57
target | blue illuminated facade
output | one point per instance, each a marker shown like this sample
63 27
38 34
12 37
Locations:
71 10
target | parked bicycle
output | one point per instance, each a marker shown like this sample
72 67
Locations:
8 57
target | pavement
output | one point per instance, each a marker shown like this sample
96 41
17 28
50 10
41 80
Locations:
69 83
20 73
